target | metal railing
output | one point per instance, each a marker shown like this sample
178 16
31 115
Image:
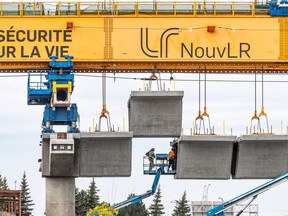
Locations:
37 81
156 165
134 9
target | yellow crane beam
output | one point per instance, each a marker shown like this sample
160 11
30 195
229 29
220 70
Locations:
167 67
137 37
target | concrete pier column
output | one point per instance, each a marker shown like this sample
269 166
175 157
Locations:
60 196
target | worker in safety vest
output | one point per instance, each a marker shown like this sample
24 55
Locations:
151 156
172 159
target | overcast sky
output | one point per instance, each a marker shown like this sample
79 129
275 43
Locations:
232 102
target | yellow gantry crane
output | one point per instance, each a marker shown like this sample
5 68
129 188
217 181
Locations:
185 37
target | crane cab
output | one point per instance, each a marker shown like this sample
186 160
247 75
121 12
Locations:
160 161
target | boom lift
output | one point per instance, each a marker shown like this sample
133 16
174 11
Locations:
161 168
219 210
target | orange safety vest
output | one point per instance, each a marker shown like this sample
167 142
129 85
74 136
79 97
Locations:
171 154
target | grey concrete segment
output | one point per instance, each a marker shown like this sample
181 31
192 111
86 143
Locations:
261 156
60 196
106 154
60 164
204 157
155 113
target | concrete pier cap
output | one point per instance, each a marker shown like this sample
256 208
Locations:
155 113
261 156
106 154
204 157
60 155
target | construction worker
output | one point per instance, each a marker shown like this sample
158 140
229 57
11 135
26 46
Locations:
151 156
172 159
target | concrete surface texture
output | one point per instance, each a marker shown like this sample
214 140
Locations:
60 163
261 156
60 196
155 113
106 154
204 157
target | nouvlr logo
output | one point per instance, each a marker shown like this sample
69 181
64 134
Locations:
191 49
144 41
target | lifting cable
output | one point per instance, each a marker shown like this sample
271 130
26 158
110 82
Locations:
255 117
139 78
199 119
262 113
205 114
160 82
104 114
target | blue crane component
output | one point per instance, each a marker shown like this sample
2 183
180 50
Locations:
139 198
53 88
278 8
219 210
161 160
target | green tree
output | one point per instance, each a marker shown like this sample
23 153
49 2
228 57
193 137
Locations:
80 202
92 195
26 201
156 208
3 186
182 207
138 209
3 183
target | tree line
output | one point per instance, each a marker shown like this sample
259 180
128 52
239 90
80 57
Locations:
86 200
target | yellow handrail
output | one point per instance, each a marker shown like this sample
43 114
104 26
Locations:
135 9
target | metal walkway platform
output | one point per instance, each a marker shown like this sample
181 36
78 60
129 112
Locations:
153 172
